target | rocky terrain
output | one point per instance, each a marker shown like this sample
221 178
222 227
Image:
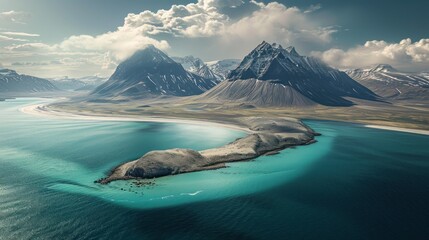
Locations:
12 82
273 76
223 67
78 84
198 67
266 135
392 84
151 73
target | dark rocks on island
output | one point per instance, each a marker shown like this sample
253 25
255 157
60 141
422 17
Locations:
267 135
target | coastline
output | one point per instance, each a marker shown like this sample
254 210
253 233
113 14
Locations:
398 129
265 136
43 110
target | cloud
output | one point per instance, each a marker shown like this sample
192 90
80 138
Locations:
6 38
31 47
14 16
235 26
313 8
201 28
409 55
277 22
20 34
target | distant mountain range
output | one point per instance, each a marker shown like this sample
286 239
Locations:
150 73
12 82
88 83
269 75
198 67
223 67
389 83
210 70
273 76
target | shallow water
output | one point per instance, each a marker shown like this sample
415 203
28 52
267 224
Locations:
355 183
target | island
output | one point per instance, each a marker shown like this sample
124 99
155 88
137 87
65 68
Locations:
266 136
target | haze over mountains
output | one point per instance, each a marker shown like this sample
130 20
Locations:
389 83
78 84
150 73
210 70
12 82
198 67
223 67
271 75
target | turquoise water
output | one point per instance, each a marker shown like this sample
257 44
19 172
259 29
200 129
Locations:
355 183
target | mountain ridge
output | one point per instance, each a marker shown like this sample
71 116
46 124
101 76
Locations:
12 82
286 78
390 83
150 72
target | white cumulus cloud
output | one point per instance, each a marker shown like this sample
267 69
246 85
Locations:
208 28
407 55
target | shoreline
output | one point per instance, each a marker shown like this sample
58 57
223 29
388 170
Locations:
398 129
43 110
264 136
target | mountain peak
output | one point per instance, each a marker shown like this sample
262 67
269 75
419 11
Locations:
149 54
148 73
274 49
5 71
292 51
383 68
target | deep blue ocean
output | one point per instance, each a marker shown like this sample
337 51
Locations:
355 183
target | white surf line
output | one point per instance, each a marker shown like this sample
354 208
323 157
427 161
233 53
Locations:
398 129
192 194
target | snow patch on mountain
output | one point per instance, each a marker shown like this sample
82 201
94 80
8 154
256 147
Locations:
150 73
307 80
12 82
388 82
223 67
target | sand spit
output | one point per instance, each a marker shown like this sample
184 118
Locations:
398 129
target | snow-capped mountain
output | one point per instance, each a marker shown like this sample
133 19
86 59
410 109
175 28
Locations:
223 67
150 72
198 67
390 83
424 74
12 82
78 84
274 76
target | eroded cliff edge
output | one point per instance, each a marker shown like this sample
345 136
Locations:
266 135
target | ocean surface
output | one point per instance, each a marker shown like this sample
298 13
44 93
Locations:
355 183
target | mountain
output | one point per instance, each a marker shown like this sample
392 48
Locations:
68 84
198 67
223 67
273 76
390 83
78 84
12 82
424 74
150 72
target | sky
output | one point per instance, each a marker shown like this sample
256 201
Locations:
75 38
